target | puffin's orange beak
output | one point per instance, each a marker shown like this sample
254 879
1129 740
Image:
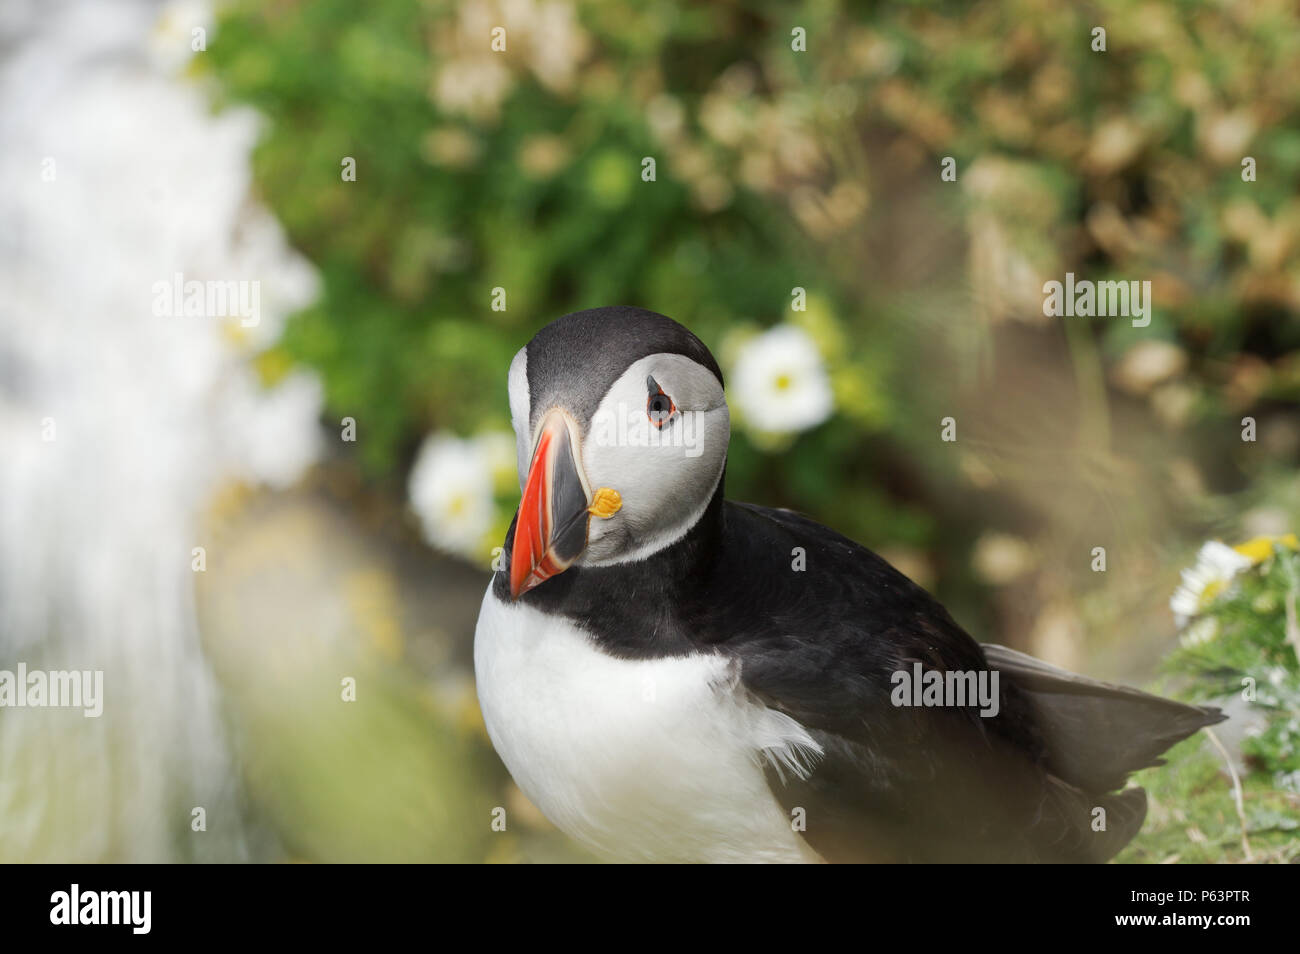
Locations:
551 527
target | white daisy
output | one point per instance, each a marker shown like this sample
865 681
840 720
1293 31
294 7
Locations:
273 433
172 40
1216 566
450 488
498 451
779 383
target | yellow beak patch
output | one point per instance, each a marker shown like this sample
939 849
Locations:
605 502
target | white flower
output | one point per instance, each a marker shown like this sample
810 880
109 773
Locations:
1216 566
171 42
498 450
779 383
544 37
475 86
273 434
1200 631
451 490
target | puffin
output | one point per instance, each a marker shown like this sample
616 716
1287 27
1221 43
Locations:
674 677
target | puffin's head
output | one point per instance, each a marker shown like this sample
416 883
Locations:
622 429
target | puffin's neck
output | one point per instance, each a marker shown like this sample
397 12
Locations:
622 601
684 560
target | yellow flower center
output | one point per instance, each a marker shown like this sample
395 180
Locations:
1212 590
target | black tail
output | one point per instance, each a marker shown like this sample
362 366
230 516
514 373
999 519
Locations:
1098 733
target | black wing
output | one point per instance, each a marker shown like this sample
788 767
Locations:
822 644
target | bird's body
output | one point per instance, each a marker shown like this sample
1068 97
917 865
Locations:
729 696
651 759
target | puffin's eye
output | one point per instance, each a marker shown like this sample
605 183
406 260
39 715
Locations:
659 407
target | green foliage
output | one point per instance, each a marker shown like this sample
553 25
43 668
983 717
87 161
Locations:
1243 647
1124 163
1250 648
1192 815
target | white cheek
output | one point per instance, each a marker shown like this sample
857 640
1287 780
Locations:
642 463
519 407
665 479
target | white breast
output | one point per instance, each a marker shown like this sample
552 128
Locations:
641 760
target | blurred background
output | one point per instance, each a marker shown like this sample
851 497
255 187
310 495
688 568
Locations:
232 520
